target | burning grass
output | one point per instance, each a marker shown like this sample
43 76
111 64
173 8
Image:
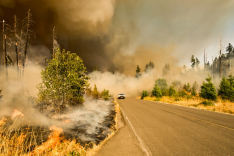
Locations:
21 136
219 105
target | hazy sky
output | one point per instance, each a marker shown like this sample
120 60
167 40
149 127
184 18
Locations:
119 35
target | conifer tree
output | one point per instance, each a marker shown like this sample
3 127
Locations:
208 90
156 91
95 92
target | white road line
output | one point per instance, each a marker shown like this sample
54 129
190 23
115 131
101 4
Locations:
143 145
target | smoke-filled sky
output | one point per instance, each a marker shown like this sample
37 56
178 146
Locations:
119 35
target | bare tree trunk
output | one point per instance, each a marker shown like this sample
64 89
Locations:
20 57
4 48
45 61
26 42
53 41
16 42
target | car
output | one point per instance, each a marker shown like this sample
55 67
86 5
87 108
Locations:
121 96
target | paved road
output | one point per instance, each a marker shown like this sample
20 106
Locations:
174 130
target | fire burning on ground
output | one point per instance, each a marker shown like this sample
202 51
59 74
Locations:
17 114
21 133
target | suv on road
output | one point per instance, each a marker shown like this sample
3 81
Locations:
121 96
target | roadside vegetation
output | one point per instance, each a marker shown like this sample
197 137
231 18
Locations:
203 97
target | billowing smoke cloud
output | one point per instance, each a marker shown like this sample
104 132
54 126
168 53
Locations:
109 33
20 93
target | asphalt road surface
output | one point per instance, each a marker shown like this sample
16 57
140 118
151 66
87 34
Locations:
165 129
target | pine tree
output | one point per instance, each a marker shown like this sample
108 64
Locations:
197 62
193 61
95 92
208 90
156 91
229 48
224 88
138 70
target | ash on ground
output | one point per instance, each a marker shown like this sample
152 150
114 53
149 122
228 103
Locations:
88 124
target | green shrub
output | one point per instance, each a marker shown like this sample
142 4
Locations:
158 99
162 84
144 94
182 93
208 90
105 94
176 99
207 103
226 88
172 91
156 91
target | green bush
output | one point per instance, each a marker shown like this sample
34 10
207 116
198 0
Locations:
144 94
182 93
176 98
156 91
105 94
162 84
172 91
208 90
207 103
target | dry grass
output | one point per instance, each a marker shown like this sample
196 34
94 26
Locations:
20 142
224 106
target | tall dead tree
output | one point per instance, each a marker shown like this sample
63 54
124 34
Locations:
220 57
16 42
4 48
29 33
20 53
53 40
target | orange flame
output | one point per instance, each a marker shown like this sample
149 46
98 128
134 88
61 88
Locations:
53 140
16 113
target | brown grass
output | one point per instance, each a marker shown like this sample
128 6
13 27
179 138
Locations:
224 106
20 143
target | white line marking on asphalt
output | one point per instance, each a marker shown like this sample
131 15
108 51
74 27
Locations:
143 145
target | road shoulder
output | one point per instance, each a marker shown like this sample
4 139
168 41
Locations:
123 142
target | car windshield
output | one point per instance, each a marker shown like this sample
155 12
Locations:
121 94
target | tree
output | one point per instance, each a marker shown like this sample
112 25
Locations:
197 62
187 87
95 68
194 88
156 91
208 90
144 94
162 84
105 94
229 48
149 67
63 80
172 91
226 88
95 92
138 70
166 70
193 61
